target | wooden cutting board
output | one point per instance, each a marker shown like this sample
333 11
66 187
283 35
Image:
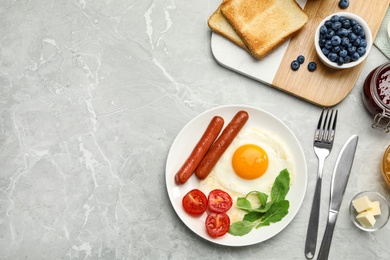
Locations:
324 87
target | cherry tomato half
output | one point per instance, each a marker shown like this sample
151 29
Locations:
217 224
219 201
195 202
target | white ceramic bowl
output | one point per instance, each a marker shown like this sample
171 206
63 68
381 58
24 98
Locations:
381 220
351 64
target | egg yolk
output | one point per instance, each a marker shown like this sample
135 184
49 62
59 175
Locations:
250 161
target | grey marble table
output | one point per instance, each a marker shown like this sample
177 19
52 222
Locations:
92 95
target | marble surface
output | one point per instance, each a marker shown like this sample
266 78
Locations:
92 95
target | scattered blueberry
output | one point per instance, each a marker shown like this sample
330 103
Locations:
343 4
301 59
312 66
342 39
295 65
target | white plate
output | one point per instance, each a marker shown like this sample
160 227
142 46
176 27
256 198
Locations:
186 141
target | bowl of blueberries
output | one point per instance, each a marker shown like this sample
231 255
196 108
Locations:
342 40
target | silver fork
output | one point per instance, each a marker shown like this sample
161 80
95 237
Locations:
323 142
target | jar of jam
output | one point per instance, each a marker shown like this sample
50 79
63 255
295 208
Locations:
376 96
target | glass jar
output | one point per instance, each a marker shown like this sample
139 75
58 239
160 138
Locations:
376 96
386 166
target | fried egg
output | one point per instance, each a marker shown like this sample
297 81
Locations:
251 163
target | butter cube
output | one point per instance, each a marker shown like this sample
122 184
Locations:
375 208
361 204
366 219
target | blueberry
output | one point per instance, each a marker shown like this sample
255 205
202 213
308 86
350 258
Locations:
357 42
363 43
340 61
335 18
336 40
328 24
355 56
322 42
323 29
357 29
332 56
346 24
336 48
342 32
342 19
312 66
344 41
336 26
343 53
351 50
330 33
343 4
361 33
361 51
347 59
295 65
328 44
352 37
325 51
301 59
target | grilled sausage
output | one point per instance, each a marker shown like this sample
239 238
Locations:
221 144
201 148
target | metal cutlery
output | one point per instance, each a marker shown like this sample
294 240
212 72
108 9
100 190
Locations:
339 182
323 143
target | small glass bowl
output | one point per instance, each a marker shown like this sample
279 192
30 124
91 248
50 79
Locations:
381 220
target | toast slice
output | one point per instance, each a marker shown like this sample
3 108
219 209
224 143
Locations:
264 25
218 23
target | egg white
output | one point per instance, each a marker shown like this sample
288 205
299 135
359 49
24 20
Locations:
223 176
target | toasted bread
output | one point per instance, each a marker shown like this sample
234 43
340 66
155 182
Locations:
264 25
218 23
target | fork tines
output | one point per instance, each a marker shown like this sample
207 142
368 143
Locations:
326 128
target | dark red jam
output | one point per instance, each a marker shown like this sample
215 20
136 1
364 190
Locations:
376 96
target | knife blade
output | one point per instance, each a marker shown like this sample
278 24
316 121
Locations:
339 182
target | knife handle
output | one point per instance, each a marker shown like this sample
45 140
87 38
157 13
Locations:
312 230
327 240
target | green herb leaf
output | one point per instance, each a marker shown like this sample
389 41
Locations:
269 211
281 186
253 216
241 228
276 213
243 203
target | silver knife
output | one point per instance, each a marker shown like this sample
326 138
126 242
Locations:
340 178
